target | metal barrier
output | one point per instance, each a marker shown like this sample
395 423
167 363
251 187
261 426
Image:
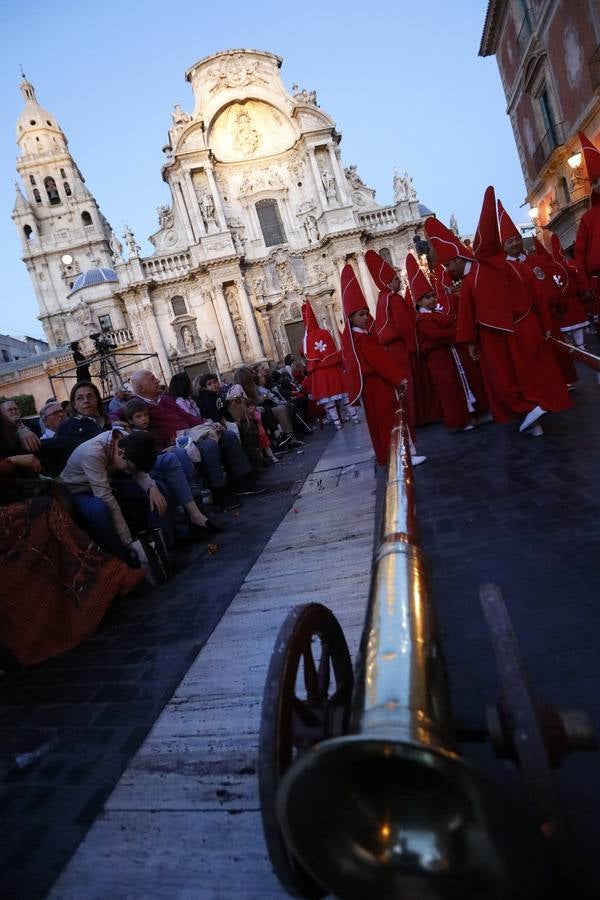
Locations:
363 791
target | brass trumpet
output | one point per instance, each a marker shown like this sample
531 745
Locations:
390 810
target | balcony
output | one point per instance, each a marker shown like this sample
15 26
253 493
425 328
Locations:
163 268
120 337
545 148
379 219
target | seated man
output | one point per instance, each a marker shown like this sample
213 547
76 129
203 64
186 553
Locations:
167 418
51 415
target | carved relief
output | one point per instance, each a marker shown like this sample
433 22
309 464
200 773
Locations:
235 71
165 216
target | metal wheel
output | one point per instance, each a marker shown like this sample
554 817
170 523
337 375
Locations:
306 700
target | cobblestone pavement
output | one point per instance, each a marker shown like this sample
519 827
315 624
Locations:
88 711
523 512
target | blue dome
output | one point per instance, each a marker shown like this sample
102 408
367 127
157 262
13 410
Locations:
93 277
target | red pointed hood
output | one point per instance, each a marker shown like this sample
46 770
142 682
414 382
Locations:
318 343
591 154
445 243
417 280
353 298
381 271
508 229
486 243
443 284
541 250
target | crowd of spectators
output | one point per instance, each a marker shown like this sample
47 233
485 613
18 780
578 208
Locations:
83 489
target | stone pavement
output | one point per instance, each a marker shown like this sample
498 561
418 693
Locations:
89 710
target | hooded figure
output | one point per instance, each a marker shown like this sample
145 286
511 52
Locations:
587 242
324 365
395 324
572 314
372 374
519 372
543 284
455 375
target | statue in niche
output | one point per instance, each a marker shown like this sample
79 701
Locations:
116 248
354 178
207 208
231 297
179 116
188 340
129 239
240 333
454 224
165 216
328 184
247 137
258 287
311 229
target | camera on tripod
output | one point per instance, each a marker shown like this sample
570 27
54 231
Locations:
102 344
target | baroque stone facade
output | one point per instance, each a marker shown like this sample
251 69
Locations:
262 213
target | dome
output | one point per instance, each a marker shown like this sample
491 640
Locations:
34 117
93 277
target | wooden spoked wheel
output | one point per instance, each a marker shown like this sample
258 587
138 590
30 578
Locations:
306 700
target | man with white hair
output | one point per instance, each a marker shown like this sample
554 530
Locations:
167 418
51 415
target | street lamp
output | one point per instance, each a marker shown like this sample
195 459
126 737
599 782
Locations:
575 160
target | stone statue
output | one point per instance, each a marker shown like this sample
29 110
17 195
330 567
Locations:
116 248
207 208
399 187
410 189
231 296
309 97
179 116
240 333
328 183
165 216
259 288
453 224
311 229
354 179
128 237
188 340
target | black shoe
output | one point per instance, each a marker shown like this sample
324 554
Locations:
213 528
224 500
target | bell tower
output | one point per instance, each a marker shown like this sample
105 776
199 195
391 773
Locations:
62 230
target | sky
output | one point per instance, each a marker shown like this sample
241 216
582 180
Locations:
402 81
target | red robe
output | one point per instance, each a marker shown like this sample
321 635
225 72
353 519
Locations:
326 378
518 367
395 330
460 399
381 375
587 248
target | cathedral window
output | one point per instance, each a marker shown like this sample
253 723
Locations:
86 218
178 306
63 174
27 231
270 223
105 323
31 180
36 196
67 188
51 191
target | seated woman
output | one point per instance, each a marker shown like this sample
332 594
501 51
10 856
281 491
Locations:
180 388
88 474
56 582
275 416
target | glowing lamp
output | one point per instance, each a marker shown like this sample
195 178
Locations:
533 212
575 160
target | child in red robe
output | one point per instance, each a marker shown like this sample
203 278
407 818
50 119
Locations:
324 364
462 396
372 374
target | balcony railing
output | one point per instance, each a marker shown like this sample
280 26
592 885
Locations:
164 267
120 336
544 149
379 219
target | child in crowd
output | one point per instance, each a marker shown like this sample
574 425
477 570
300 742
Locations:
173 467
206 392
371 372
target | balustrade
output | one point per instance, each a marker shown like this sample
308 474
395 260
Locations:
379 219
163 267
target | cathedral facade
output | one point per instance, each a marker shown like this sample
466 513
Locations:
262 213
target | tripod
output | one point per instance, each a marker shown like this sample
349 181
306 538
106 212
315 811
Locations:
109 375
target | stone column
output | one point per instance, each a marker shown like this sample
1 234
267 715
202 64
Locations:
216 198
339 175
333 322
270 345
196 219
181 202
367 284
317 177
154 339
226 326
249 321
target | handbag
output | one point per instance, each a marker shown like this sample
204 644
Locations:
153 555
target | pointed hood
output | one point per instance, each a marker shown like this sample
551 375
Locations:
591 154
353 298
318 343
445 243
443 286
417 280
381 271
486 243
541 250
508 229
